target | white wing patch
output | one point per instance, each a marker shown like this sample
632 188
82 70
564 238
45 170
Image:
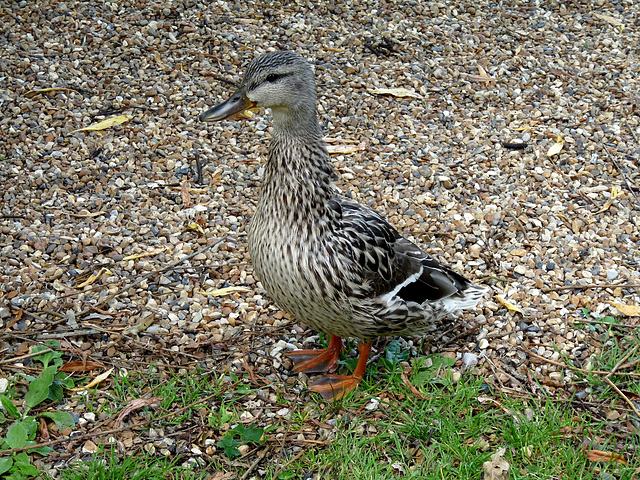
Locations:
410 279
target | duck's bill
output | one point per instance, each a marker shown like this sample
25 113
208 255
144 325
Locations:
238 105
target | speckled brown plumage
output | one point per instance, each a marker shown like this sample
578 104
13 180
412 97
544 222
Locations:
334 264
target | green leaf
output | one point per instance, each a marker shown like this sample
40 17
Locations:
9 406
21 458
56 393
395 354
5 464
63 419
228 444
31 426
286 476
17 436
39 388
29 470
251 434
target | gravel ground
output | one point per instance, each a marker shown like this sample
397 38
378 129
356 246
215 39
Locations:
436 158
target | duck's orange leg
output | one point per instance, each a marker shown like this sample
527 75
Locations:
334 387
317 361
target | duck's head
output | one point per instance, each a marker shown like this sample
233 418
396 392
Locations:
282 81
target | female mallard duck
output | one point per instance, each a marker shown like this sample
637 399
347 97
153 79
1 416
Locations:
334 264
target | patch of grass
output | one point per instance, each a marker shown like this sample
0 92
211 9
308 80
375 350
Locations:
107 465
451 428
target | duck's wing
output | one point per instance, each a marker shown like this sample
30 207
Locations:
390 266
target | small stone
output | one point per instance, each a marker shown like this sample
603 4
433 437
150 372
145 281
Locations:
483 344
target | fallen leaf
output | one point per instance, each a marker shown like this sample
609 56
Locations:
109 122
149 253
38 91
345 148
15 320
221 475
396 92
87 214
509 306
600 456
223 291
80 366
606 206
497 468
607 18
135 405
196 226
96 381
184 194
627 310
480 79
555 149
93 278
141 326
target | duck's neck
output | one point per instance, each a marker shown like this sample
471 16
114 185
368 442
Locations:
297 183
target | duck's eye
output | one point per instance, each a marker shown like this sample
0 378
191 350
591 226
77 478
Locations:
273 77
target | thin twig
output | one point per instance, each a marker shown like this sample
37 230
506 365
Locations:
22 357
602 322
586 372
626 179
624 359
633 134
590 285
621 393
253 466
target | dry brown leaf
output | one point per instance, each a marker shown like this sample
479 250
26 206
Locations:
108 123
497 468
600 456
606 206
135 405
141 326
396 92
80 366
480 79
221 475
96 381
345 148
86 214
184 194
38 91
149 253
220 292
93 277
509 306
611 20
15 320
627 310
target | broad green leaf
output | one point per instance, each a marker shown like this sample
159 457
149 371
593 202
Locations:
394 352
9 406
248 434
56 393
31 425
39 388
17 436
21 458
5 464
63 419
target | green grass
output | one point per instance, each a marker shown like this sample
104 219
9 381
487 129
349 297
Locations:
451 432
108 465
383 430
